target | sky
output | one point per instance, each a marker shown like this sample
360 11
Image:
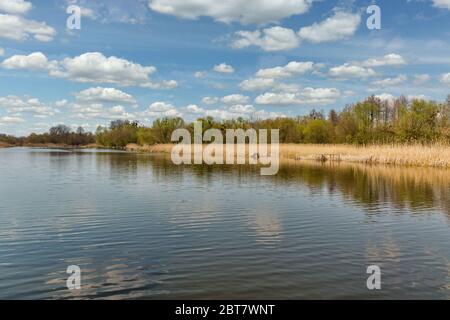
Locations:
145 59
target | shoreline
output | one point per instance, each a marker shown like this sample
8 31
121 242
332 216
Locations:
52 146
434 156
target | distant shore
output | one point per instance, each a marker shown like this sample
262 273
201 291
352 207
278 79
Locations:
437 156
402 155
50 146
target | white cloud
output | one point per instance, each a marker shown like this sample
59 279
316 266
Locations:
98 112
242 109
223 68
17 106
340 26
161 109
302 97
293 68
269 39
210 100
15 6
417 97
250 11
200 74
18 28
61 103
389 98
348 71
235 99
235 111
391 59
421 78
91 67
256 84
391 81
2 51
10 120
95 67
444 4
166 84
194 109
445 78
100 94
33 61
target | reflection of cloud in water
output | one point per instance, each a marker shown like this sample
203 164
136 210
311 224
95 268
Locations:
387 252
266 226
116 280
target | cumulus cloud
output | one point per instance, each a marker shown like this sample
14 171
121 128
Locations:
91 67
97 111
240 110
391 59
235 99
34 61
391 81
445 78
19 28
109 95
18 7
444 4
95 67
250 11
387 97
18 106
210 100
348 71
2 51
341 25
223 68
11 120
200 74
293 68
256 84
269 39
194 109
302 97
161 109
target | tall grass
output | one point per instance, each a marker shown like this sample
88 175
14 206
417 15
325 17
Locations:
405 155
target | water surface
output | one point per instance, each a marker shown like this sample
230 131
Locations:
141 227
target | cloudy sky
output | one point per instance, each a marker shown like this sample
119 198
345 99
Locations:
143 59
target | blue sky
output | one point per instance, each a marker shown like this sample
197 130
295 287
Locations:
143 59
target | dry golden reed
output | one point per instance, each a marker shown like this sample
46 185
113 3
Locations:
404 155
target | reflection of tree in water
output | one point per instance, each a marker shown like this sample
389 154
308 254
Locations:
418 189
415 188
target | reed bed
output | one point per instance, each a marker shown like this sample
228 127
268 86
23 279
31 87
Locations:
402 155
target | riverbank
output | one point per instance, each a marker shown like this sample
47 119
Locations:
415 155
5 145
51 146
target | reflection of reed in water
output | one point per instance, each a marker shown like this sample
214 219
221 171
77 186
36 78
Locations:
418 189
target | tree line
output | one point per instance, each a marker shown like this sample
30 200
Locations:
372 121
60 134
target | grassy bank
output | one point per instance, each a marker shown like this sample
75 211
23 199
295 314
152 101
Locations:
404 155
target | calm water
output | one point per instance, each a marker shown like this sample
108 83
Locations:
140 227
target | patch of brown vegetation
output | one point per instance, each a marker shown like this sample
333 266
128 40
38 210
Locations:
403 155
